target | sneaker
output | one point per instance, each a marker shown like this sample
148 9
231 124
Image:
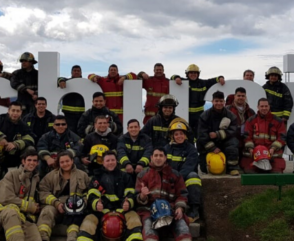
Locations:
234 173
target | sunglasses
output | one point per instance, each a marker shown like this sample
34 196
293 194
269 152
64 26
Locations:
60 124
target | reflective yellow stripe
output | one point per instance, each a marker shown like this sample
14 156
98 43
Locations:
286 113
129 190
50 124
155 94
117 111
131 201
279 113
160 128
135 236
73 228
274 93
13 230
175 158
134 148
95 192
111 197
73 108
150 113
29 123
105 211
50 199
197 109
265 136
199 89
123 159
113 94
24 205
84 239
119 210
45 228
94 204
193 181
145 160
28 138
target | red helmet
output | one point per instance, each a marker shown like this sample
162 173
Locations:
113 226
261 157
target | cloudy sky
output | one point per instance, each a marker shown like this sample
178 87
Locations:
223 37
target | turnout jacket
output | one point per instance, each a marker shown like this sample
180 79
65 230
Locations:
280 99
113 92
19 191
21 80
113 188
19 133
209 121
53 142
182 157
269 131
165 184
86 122
31 118
108 139
135 152
53 184
73 102
197 92
156 87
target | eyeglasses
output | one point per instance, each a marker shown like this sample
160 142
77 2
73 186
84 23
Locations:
60 124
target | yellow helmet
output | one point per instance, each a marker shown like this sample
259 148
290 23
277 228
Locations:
192 67
216 163
178 126
274 70
97 151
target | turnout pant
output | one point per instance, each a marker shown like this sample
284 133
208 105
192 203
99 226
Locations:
179 228
15 227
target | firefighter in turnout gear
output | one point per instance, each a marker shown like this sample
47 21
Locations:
278 94
18 200
217 133
160 181
157 126
73 104
134 149
15 137
111 190
183 157
197 91
112 86
56 189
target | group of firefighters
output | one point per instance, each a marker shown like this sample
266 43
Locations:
81 170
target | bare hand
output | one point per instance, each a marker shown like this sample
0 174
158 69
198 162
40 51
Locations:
62 84
31 92
3 142
60 208
178 81
144 191
216 150
129 169
99 206
145 76
50 161
85 161
10 146
178 213
34 97
139 168
271 151
212 135
121 80
96 78
38 208
126 205
221 80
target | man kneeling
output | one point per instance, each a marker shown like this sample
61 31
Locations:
111 197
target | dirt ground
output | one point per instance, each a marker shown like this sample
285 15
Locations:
220 196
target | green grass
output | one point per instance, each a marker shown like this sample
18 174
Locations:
271 219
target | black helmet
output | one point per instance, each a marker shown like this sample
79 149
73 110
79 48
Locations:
168 100
74 205
28 57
